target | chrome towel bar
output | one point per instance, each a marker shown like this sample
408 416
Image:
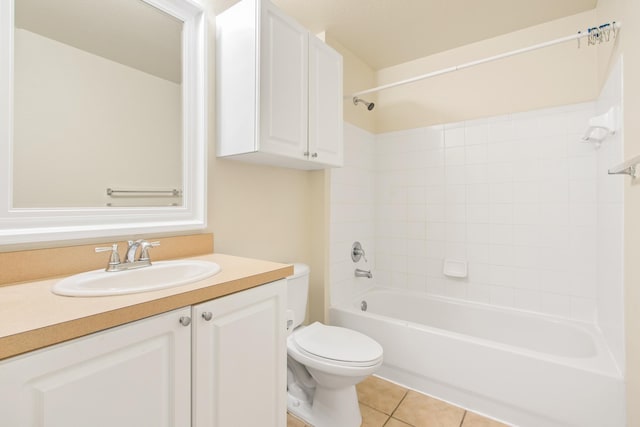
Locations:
627 168
156 193
112 205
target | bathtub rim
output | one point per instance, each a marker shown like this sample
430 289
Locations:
603 363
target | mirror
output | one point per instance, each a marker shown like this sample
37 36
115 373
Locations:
103 129
97 86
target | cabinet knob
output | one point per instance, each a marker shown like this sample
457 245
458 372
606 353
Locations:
207 315
185 320
314 155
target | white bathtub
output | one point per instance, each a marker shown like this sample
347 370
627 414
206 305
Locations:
525 369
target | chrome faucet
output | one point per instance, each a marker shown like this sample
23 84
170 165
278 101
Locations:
364 273
357 252
130 261
132 248
143 259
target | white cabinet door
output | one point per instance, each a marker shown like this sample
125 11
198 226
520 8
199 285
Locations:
136 375
283 84
325 103
239 367
278 90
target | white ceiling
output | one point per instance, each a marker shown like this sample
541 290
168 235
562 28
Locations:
389 32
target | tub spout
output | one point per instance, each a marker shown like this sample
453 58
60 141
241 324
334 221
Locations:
364 273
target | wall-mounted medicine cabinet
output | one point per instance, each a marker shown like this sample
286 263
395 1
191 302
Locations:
278 90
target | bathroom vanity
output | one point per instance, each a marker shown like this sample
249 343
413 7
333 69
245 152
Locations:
197 355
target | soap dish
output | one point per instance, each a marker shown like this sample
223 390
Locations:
455 268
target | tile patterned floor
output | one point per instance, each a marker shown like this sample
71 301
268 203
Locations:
384 404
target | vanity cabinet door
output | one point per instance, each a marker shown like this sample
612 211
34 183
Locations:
134 375
239 366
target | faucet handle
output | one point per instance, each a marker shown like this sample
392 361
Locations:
114 259
357 252
144 249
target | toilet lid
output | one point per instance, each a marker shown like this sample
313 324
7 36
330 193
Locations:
336 343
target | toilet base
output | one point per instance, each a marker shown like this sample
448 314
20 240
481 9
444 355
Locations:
330 408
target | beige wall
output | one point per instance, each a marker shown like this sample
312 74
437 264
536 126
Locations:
357 76
319 246
628 12
265 212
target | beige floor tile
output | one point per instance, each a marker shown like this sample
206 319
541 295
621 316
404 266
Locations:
371 417
294 422
380 394
471 419
396 423
424 411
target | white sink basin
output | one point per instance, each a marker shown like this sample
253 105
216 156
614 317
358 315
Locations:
160 275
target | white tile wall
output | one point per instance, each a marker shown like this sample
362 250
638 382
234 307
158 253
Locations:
519 197
352 213
610 221
514 195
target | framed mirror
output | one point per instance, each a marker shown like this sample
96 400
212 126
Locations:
102 118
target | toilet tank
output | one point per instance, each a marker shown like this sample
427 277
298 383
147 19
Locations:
297 292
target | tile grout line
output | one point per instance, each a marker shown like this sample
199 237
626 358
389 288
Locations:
463 417
397 406
389 416
377 410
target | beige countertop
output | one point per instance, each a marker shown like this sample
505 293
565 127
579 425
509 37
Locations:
32 317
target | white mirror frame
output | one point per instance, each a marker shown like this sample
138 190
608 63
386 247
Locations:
37 225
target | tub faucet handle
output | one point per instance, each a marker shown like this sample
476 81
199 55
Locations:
357 252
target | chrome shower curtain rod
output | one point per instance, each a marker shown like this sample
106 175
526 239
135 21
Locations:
615 26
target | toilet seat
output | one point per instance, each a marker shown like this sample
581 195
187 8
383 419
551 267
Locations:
337 345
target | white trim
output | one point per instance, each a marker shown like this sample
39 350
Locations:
33 225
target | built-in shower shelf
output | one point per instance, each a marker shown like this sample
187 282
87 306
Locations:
602 126
454 268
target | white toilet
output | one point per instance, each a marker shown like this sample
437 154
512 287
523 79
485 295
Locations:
324 363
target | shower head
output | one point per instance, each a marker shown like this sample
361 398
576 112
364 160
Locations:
369 105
